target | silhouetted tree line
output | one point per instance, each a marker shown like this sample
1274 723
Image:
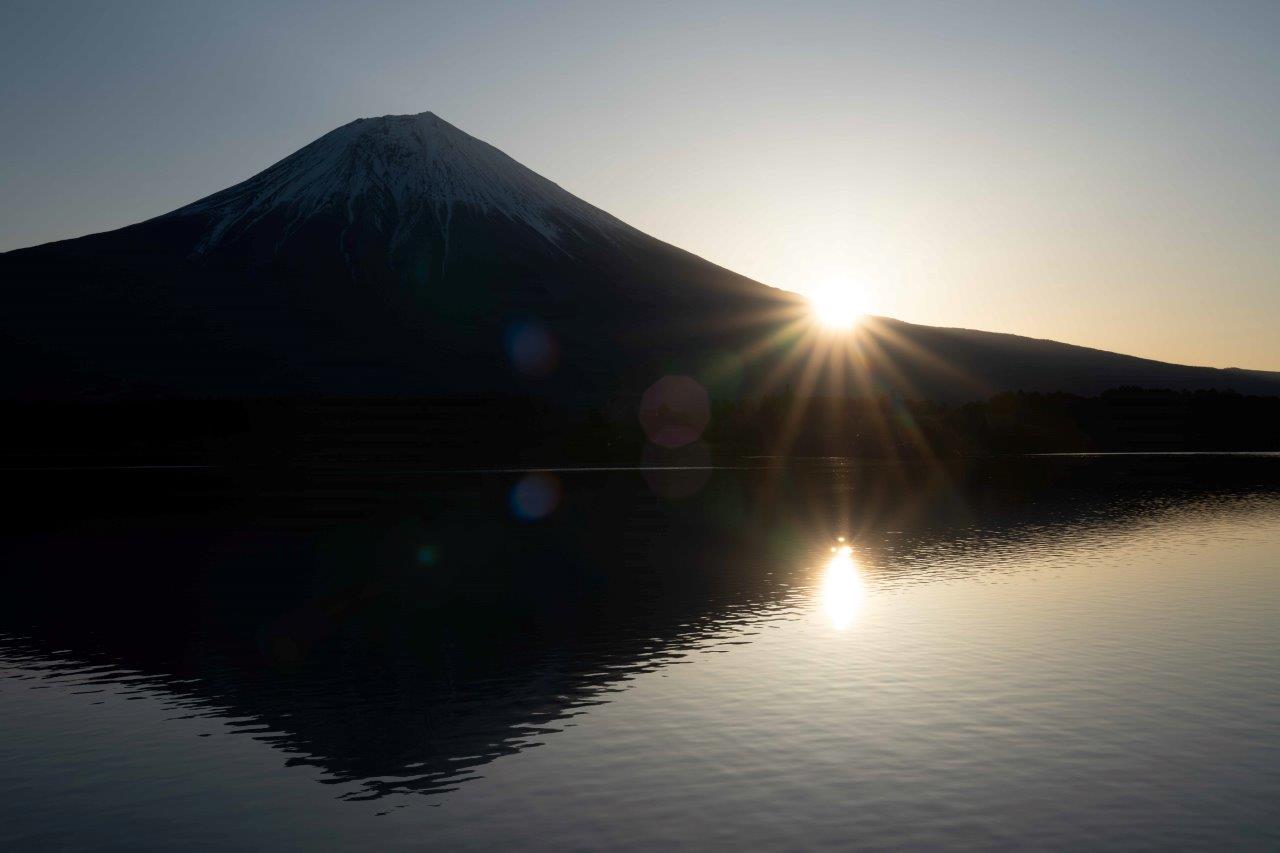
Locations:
1123 419
462 432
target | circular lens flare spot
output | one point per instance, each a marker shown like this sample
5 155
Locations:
532 349
536 496
675 411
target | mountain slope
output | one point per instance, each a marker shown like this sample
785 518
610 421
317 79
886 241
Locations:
400 256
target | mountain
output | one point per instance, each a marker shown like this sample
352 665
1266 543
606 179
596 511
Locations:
401 256
392 255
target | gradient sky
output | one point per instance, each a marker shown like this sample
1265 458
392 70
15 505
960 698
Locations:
1100 173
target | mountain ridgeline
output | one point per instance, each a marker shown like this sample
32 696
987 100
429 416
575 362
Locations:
399 257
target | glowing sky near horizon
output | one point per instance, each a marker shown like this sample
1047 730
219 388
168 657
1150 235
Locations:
1098 173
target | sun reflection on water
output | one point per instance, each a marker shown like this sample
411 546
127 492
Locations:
843 592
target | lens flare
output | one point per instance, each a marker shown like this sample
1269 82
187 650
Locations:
532 349
674 411
535 496
843 592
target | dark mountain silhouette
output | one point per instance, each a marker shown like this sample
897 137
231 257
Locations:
392 255
400 256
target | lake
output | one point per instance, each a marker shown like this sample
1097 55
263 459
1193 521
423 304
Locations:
1054 652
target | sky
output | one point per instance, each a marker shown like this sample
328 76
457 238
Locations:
1106 174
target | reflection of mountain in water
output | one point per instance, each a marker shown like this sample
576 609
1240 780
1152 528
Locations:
399 635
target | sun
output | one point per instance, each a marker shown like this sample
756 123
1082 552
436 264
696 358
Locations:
837 305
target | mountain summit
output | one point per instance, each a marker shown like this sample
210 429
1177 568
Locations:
401 179
401 256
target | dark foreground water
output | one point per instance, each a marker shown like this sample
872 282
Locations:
1058 653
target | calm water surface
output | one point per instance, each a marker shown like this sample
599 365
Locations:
1050 653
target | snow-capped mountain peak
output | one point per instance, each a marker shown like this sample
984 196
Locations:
402 173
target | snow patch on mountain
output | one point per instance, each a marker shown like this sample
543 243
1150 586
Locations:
401 173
